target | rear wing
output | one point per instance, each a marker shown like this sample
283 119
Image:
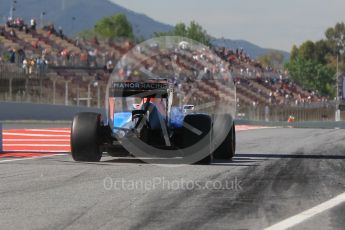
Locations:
140 89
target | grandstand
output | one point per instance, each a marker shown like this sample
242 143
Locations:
45 66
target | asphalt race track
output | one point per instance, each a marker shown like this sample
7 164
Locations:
277 174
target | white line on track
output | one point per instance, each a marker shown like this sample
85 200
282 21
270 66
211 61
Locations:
303 216
249 128
31 158
35 135
47 130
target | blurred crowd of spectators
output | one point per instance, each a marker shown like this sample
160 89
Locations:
44 47
50 46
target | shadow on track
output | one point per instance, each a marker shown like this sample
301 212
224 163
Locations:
295 156
236 161
126 160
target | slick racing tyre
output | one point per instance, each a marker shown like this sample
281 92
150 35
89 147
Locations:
226 150
85 137
201 124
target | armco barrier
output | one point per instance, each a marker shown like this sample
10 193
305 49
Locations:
1 138
14 111
305 124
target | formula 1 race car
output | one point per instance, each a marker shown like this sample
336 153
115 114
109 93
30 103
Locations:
142 114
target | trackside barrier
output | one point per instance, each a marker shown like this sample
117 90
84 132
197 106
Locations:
1 138
296 124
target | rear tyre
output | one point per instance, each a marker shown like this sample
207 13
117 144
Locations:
85 137
226 150
202 124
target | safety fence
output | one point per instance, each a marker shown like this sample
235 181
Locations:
1 149
48 88
85 90
287 113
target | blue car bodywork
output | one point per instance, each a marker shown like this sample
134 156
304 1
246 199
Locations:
123 120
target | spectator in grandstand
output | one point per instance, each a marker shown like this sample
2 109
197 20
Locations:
19 23
92 54
41 65
65 56
25 29
21 56
13 33
61 33
50 29
83 58
95 41
109 66
31 64
77 42
33 24
12 55
8 22
44 54
2 31
34 44
25 66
